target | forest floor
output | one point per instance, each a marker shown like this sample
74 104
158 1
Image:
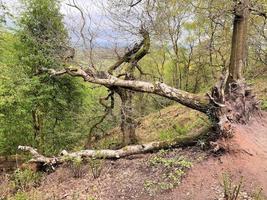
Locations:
189 173
176 174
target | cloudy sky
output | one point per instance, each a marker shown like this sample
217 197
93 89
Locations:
97 22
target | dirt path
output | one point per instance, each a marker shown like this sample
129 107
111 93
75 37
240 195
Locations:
247 158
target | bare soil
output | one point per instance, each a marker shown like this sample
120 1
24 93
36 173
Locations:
135 178
247 158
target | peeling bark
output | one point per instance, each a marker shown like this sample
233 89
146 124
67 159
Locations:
52 162
194 101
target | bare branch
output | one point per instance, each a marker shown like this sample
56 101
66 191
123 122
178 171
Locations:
108 109
135 3
136 53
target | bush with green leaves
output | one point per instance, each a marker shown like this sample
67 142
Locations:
20 196
76 166
22 180
173 169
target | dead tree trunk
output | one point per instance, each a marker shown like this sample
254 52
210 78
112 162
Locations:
128 122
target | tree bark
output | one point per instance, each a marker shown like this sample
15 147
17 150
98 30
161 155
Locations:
239 103
131 57
128 124
239 40
194 101
52 162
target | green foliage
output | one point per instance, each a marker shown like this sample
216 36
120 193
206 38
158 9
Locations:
43 35
20 196
91 198
23 180
96 166
170 162
173 168
108 143
264 105
178 130
53 100
41 111
66 108
76 166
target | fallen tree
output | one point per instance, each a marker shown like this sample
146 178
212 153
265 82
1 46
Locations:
230 101
41 162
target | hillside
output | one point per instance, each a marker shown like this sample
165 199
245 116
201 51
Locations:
188 173
133 100
179 173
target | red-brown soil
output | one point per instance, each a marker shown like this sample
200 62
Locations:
126 178
247 157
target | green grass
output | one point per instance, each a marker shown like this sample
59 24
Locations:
174 122
170 123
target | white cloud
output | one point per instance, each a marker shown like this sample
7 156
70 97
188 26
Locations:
100 24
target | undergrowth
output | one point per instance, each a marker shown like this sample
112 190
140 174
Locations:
173 169
96 166
178 130
22 180
75 165
231 191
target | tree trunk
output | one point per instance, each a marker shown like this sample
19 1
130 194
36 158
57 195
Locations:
37 126
128 123
239 41
48 163
235 102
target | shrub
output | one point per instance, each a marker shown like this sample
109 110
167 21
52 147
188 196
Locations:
76 166
23 180
96 166
173 169
20 196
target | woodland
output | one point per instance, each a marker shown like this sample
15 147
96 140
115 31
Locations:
133 99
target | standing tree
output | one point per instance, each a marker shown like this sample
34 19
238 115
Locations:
48 103
230 101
